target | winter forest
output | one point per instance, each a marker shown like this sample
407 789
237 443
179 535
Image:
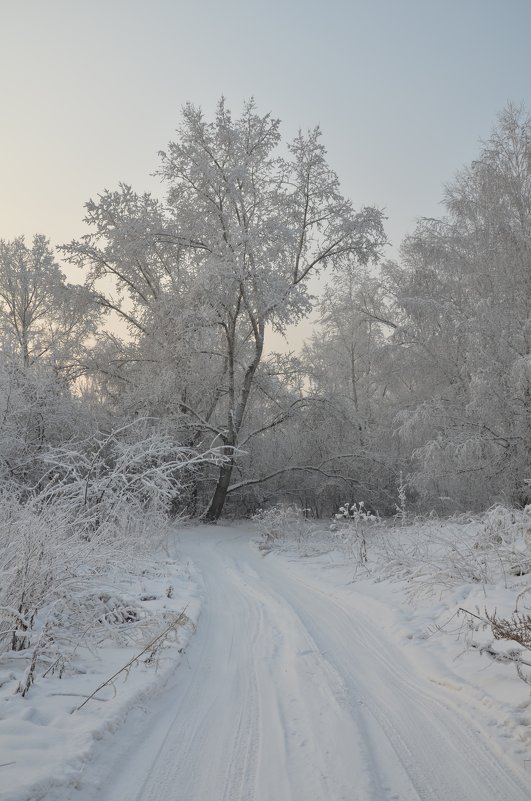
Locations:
148 393
151 386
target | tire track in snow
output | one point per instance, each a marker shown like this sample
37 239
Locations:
241 772
292 695
445 755
339 764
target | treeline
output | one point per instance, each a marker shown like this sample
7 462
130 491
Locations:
154 382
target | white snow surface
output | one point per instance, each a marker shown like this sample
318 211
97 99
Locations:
300 684
45 744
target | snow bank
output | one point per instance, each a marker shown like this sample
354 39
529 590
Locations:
432 587
45 739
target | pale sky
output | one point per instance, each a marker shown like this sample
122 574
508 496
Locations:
403 90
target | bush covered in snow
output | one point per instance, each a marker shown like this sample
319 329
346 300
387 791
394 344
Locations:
284 524
475 570
100 507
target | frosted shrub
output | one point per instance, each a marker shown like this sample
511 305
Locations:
283 523
357 513
507 526
351 527
507 532
400 507
470 551
102 511
57 584
117 477
47 567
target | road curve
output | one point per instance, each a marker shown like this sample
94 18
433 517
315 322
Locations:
289 692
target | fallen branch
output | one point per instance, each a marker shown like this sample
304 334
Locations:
467 612
517 629
514 658
181 620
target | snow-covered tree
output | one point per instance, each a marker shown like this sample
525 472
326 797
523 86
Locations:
258 224
464 288
243 229
42 315
349 373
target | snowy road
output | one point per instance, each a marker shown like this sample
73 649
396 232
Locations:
289 692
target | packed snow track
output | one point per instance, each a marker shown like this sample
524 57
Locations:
289 692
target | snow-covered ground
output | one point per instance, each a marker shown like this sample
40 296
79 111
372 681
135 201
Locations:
322 668
45 741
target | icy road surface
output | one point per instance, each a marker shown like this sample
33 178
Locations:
289 692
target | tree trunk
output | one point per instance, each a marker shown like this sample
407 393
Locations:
235 419
217 503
